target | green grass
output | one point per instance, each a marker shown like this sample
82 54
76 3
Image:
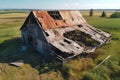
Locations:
11 11
111 68
76 69
105 23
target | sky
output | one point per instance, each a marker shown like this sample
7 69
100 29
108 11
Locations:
60 4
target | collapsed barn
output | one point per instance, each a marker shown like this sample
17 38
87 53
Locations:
64 33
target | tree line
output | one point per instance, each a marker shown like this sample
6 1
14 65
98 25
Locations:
114 15
91 13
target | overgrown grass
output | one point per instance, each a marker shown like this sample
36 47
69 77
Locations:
76 69
111 68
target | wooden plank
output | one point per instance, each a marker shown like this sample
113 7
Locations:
103 61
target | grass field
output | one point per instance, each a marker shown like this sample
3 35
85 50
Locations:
76 69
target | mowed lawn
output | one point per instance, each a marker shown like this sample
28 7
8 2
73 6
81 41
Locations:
76 69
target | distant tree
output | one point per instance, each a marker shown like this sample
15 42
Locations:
103 14
91 12
115 15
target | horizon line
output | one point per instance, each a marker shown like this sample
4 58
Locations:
54 9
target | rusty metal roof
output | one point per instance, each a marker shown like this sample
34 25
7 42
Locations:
69 18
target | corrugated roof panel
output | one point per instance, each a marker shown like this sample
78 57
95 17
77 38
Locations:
65 14
70 18
72 15
45 19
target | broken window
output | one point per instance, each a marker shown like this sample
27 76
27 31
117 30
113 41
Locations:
55 15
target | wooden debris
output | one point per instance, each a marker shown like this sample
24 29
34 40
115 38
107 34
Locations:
103 61
17 63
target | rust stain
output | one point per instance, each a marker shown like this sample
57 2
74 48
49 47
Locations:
49 23
45 19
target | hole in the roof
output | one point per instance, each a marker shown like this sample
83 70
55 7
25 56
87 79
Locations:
80 25
46 34
65 40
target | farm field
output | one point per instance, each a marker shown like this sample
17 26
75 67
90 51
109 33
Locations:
80 68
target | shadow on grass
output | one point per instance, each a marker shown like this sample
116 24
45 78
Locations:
10 51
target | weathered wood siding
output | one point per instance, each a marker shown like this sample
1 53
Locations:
43 46
33 28
24 36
